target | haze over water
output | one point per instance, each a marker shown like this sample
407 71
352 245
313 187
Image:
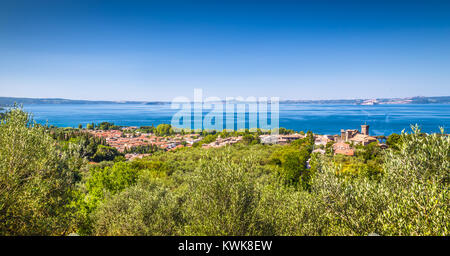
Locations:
321 119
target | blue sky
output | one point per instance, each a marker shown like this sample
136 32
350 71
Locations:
157 50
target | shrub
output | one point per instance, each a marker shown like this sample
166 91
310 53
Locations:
223 197
417 181
411 198
36 179
150 209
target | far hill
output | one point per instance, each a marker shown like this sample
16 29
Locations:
9 101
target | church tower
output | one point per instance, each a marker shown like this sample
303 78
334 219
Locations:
365 129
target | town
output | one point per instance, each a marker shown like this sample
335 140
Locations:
126 138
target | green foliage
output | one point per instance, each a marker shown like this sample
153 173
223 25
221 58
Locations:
110 179
140 210
285 131
394 141
142 149
292 161
292 164
102 126
251 139
410 198
206 140
164 129
87 145
36 179
286 211
221 193
101 182
107 126
368 161
329 148
105 153
368 152
147 129
47 188
418 181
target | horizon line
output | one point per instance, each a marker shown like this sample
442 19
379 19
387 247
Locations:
168 101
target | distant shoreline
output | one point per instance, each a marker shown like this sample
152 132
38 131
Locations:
10 101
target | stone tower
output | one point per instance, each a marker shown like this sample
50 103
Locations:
365 129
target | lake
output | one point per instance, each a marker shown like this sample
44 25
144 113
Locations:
320 118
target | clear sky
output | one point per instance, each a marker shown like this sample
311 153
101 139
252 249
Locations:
157 50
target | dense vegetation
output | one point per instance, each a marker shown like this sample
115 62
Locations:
48 187
101 126
88 146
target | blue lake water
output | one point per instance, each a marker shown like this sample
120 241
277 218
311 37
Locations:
322 119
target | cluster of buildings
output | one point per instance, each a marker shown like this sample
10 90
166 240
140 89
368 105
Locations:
123 141
132 156
280 138
265 139
220 142
343 142
120 140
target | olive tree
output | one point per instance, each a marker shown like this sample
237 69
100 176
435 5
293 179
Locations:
411 197
35 179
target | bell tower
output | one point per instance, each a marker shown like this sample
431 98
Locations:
365 129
